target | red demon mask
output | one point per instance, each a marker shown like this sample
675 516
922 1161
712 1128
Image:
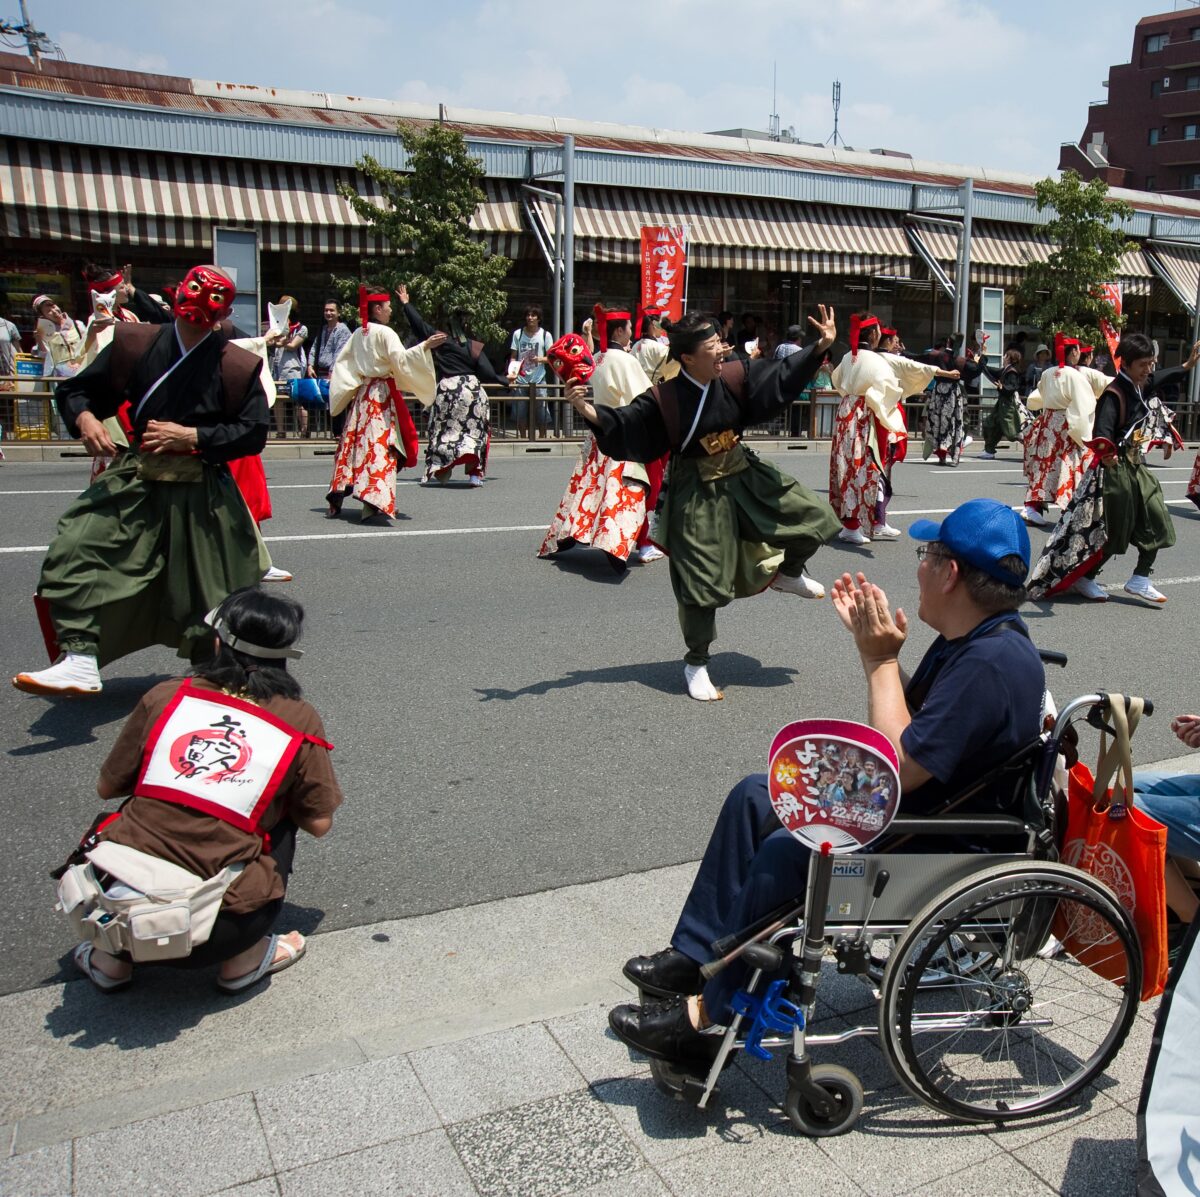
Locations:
205 296
570 359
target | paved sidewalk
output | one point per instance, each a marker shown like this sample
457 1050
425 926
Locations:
467 1052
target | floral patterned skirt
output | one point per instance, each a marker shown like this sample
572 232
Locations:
599 507
1054 463
853 469
372 447
1193 486
944 428
458 427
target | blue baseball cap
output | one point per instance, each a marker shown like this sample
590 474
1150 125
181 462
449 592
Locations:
982 532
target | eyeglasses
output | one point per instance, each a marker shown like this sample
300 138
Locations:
930 550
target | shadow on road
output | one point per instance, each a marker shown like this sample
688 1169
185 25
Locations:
69 721
728 669
162 1002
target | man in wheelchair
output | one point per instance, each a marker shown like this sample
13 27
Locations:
974 702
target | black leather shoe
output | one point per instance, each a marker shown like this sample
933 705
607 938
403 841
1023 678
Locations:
663 1030
664 974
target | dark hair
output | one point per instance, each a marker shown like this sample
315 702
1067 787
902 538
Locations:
688 332
267 620
987 592
611 326
794 332
723 316
648 323
533 309
335 303
1134 346
749 316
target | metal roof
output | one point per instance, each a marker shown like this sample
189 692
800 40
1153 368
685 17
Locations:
82 105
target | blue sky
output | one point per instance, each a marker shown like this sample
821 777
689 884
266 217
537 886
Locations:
971 81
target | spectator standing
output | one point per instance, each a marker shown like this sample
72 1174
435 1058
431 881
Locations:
288 363
1036 368
59 337
332 337
790 343
529 345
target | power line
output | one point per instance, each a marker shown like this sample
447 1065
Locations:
35 42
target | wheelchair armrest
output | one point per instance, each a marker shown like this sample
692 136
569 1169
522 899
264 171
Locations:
958 825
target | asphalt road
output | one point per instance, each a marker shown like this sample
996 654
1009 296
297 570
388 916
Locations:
505 725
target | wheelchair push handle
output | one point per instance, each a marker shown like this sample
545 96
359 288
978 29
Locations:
1051 657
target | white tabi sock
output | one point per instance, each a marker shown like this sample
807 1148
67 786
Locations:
700 685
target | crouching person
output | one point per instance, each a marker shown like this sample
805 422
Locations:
973 703
222 769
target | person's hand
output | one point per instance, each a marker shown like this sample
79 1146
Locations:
1187 728
863 608
95 436
826 324
1193 357
954 375
433 342
100 322
402 293
576 394
311 372
162 436
588 325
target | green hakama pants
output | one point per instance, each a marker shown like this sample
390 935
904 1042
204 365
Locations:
136 563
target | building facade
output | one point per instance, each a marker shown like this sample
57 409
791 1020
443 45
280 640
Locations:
162 172
1146 135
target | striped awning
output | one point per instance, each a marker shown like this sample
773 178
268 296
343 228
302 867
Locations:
1000 253
1179 269
82 193
740 233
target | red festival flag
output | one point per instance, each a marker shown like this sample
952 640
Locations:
664 266
1113 293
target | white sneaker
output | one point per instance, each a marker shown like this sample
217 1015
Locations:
854 536
804 586
1089 588
885 532
275 574
986 456
475 479
699 684
650 552
967 440
1031 515
72 673
1140 587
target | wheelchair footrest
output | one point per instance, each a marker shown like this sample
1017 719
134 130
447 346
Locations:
767 1013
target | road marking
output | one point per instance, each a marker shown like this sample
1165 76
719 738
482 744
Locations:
390 533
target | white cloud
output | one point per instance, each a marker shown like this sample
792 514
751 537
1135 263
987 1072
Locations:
79 47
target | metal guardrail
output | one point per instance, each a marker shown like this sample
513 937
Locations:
27 415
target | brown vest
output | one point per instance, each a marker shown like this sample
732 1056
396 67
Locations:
130 343
733 375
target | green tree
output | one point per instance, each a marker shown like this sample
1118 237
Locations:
424 222
1062 294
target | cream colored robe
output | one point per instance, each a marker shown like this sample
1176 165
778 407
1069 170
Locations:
379 353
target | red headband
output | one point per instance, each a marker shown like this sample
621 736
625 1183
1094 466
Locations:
888 332
101 285
857 324
601 320
1061 345
1086 349
365 299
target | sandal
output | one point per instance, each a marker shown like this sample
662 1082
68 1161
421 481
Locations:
102 981
266 966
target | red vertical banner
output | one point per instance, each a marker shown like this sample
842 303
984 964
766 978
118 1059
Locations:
664 267
1113 293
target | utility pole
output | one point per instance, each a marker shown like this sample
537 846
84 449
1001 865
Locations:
35 41
773 119
837 105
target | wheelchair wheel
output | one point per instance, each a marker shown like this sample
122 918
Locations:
985 1017
847 1093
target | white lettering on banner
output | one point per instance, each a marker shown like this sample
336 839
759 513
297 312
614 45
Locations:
219 756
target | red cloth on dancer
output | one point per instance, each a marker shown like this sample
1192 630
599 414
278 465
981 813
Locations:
655 471
251 480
